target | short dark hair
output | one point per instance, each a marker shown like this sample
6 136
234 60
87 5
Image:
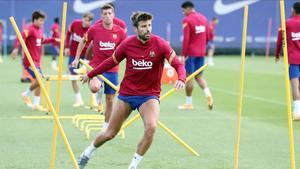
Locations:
37 15
107 6
88 15
187 4
138 16
56 19
296 7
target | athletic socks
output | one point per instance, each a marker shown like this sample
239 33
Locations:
189 100
135 161
89 151
105 125
78 97
36 100
207 92
27 92
296 107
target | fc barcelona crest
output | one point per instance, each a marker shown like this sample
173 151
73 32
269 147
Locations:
152 54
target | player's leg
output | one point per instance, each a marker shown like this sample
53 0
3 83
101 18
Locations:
199 62
190 68
34 84
210 53
294 75
120 113
149 112
55 51
78 98
110 94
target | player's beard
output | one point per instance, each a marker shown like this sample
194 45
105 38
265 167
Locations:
144 37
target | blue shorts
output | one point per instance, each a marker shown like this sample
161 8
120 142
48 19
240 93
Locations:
193 63
71 69
136 101
294 71
30 71
113 78
55 50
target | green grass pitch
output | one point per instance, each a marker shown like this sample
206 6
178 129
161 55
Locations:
26 144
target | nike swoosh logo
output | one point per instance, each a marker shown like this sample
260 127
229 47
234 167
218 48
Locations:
222 9
82 7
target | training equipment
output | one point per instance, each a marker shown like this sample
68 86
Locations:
61 130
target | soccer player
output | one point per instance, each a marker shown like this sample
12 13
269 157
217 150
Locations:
116 21
195 33
140 88
210 43
106 37
34 38
75 34
55 33
293 46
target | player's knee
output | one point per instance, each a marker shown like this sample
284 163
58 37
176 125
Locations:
94 89
110 98
110 134
150 129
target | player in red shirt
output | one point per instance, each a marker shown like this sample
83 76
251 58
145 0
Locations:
140 88
210 44
34 38
75 34
1 39
195 35
106 37
55 33
293 46
116 21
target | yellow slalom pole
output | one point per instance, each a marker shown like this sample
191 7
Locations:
179 140
43 89
61 57
101 76
240 103
168 93
287 85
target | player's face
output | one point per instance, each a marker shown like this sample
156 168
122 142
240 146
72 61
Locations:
108 16
144 29
185 11
86 22
39 22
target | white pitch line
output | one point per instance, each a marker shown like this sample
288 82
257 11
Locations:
250 96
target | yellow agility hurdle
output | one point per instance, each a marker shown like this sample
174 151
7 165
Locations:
180 141
43 89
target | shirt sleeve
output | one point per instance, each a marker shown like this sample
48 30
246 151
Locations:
186 37
172 58
68 36
279 43
88 36
25 34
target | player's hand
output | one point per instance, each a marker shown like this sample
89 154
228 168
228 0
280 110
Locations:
277 59
179 85
14 53
84 79
57 39
67 51
74 64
